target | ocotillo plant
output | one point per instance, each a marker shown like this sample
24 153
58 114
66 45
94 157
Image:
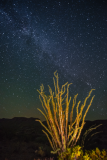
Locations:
63 135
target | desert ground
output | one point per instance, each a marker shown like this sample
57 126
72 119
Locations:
22 139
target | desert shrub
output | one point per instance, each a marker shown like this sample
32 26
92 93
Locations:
76 153
97 154
71 153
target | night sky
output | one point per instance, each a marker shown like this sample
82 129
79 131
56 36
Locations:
38 37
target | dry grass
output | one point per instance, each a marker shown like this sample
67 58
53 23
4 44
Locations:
45 159
39 158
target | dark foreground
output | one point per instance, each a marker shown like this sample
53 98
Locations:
20 139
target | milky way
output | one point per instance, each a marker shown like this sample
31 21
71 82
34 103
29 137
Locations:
39 37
